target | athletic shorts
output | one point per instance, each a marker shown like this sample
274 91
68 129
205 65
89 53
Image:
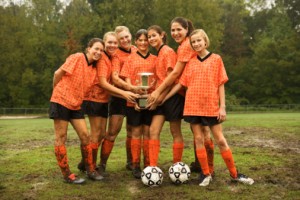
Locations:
137 118
172 109
57 111
204 121
117 106
96 109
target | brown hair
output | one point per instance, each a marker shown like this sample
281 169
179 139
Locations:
141 32
93 41
185 23
160 31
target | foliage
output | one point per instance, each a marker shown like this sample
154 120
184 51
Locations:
257 42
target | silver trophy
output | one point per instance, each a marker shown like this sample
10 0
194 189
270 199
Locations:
145 82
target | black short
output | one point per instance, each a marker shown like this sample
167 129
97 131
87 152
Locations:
117 106
92 108
137 118
57 111
204 121
172 109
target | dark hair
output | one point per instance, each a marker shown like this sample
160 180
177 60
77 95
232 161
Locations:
141 32
93 41
160 31
185 23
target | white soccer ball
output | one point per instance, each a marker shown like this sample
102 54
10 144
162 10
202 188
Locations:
179 173
152 176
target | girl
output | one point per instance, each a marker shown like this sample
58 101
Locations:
180 30
71 82
204 77
117 106
140 120
172 109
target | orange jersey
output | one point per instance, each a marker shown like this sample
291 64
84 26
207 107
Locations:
97 93
166 58
185 51
120 57
137 63
74 85
202 77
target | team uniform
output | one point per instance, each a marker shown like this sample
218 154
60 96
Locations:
117 106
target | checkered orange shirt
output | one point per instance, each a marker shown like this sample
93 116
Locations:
136 64
77 81
120 57
202 77
185 51
97 93
166 58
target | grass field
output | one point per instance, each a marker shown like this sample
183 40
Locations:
265 146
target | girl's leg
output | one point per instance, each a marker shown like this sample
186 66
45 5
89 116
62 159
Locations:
136 150
146 137
154 142
178 145
209 146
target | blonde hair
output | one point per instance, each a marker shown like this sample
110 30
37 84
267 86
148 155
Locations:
203 34
119 29
109 33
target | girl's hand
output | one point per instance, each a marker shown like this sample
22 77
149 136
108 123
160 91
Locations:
222 114
131 97
153 97
136 107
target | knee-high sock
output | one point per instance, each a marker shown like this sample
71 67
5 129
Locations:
94 147
202 157
177 151
62 160
154 148
209 146
228 159
106 149
128 149
88 157
136 152
146 152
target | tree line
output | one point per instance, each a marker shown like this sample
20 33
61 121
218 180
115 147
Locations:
259 43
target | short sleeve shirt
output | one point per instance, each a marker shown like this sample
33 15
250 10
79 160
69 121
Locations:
185 51
166 58
135 64
120 57
97 93
202 77
77 81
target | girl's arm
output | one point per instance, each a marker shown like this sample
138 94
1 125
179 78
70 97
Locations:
178 69
58 74
120 82
222 112
129 96
173 91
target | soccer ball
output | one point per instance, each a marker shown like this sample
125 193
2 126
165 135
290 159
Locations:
152 176
179 173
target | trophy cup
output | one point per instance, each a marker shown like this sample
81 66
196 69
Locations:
145 82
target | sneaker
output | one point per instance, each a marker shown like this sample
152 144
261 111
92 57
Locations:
204 179
101 170
129 166
195 167
73 179
136 172
95 176
81 166
243 179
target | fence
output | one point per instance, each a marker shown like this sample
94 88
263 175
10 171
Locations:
229 109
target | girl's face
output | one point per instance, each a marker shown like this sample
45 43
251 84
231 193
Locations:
155 39
111 44
198 43
95 51
178 33
142 44
124 38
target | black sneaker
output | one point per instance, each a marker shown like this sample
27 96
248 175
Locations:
136 172
101 170
95 176
73 179
204 179
81 166
243 179
129 166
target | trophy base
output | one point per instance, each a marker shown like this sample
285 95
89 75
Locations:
142 102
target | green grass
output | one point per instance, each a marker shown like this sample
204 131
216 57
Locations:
265 147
